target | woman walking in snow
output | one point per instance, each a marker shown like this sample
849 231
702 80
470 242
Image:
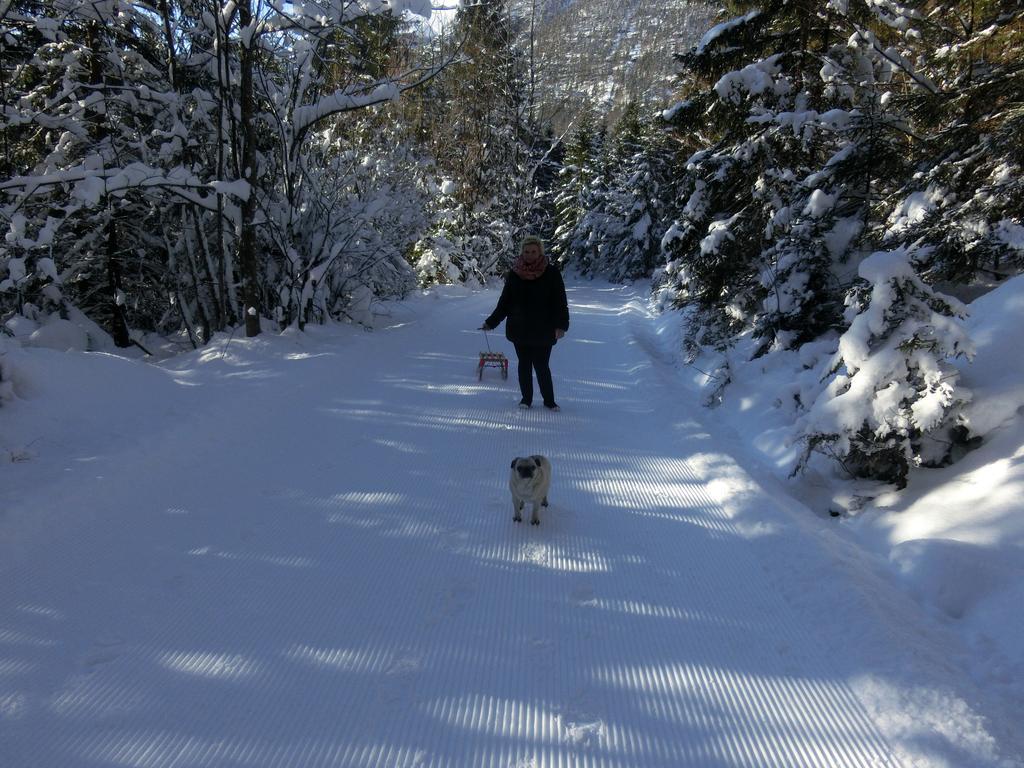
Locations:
537 311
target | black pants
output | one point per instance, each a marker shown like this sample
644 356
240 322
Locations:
535 358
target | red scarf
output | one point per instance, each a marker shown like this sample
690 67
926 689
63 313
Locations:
530 270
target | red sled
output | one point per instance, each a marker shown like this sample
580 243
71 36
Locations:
492 360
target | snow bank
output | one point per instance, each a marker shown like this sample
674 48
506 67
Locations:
7 370
61 335
72 398
954 538
996 324
65 413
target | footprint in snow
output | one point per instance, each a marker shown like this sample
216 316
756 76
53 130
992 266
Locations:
586 733
13 706
104 650
100 658
583 595
451 602
536 553
405 664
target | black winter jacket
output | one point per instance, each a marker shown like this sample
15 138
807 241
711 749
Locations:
534 308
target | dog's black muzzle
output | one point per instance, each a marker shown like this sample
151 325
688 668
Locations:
525 472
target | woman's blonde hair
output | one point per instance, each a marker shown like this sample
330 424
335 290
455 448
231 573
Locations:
532 239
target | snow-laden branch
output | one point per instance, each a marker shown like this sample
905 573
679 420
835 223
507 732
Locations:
343 100
330 13
357 97
92 182
711 36
895 58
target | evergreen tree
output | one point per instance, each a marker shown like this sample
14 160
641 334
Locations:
587 238
579 169
631 245
892 386
754 80
818 136
965 198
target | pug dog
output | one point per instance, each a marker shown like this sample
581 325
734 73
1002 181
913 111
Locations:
529 481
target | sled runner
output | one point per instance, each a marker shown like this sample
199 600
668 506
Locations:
491 359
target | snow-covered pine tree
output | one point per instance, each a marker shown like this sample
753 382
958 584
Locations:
892 399
634 212
966 197
834 125
547 156
438 256
796 139
745 66
579 169
852 156
588 236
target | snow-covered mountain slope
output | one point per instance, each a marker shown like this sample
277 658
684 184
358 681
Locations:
299 551
607 54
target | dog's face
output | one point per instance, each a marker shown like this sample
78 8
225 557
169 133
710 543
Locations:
529 480
526 468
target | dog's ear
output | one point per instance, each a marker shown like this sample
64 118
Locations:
514 463
539 460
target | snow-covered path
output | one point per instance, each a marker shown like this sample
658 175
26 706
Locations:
312 562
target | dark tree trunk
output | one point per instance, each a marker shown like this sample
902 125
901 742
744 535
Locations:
247 237
118 320
100 132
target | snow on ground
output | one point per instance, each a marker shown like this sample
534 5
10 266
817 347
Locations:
954 539
298 551
957 538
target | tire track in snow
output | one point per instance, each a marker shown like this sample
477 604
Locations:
376 606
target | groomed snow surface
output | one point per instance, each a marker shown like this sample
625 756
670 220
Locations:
299 551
